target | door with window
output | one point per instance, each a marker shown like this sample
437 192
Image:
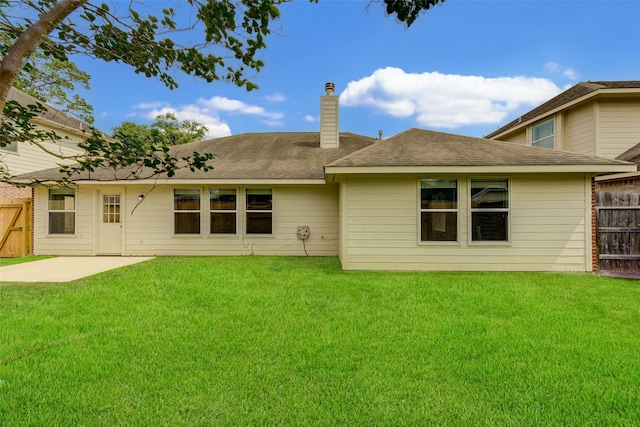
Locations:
110 223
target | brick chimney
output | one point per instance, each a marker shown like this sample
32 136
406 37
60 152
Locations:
329 129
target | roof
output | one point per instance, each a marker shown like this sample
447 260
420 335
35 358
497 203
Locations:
298 156
573 93
52 113
418 147
271 155
631 155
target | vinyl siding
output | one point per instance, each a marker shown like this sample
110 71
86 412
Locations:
618 127
149 230
580 130
30 158
548 216
519 137
80 243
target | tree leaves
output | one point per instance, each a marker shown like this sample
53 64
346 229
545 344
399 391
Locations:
407 11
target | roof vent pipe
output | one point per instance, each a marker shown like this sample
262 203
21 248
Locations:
329 87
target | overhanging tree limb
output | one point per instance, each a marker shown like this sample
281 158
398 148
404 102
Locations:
28 41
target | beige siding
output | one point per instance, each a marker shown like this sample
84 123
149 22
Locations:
580 130
30 158
548 216
149 230
618 127
81 243
519 137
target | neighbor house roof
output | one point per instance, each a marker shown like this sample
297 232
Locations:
574 93
631 155
417 147
52 114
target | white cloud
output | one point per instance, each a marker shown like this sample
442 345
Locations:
309 118
221 103
216 127
554 67
570 73
209 112
446 100
276 97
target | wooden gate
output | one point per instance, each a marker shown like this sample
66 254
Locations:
618 233
15 228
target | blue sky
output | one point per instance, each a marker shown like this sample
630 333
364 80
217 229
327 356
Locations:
464 67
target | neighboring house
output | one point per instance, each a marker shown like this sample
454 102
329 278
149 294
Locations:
601 119
419 200
21 157
593 118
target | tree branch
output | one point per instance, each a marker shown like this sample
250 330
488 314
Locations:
29 40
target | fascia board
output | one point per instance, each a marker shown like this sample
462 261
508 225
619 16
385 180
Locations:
481 169
205 182
570 104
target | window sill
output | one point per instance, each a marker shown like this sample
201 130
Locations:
438 243
489 243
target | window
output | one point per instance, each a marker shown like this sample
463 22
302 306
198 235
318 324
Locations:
62 211
259 211
186 210
542 135
11 147
438 210
111 208
222 210
490 210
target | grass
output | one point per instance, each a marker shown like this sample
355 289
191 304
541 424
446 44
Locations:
296 341
20 260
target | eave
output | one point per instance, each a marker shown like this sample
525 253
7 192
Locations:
604 92
204 181
484 169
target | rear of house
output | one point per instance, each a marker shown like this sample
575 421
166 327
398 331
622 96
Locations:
419 200
496 222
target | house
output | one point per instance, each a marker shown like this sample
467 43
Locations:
593 118
420 200
601 119
21 157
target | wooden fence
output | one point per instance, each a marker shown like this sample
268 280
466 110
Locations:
618 233
15 228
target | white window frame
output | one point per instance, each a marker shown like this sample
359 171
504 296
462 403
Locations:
65 211
446 210
177 211
247 211
473 210
238 193
552 137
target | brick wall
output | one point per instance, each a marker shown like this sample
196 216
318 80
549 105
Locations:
11 192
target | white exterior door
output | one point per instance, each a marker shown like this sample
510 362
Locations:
110 223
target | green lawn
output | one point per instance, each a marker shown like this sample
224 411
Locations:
296 341
20 260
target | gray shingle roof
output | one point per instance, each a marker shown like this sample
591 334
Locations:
298 156
575 92
273 155
52 113
631 155
417 147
